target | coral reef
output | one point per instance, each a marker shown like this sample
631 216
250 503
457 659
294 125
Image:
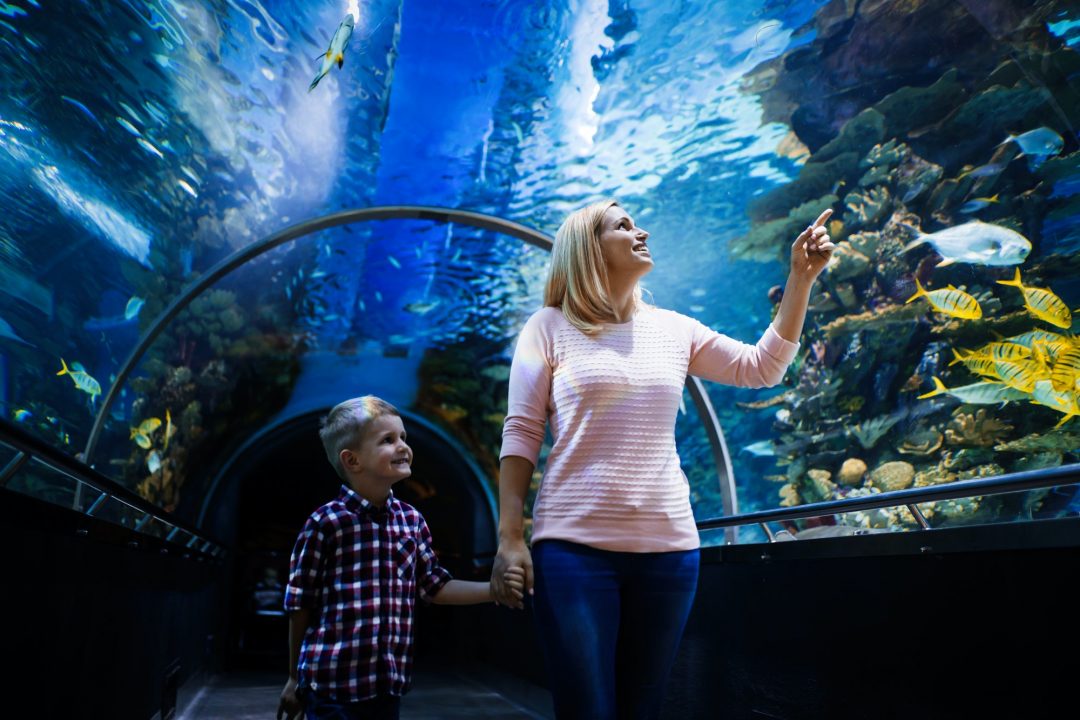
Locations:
890 476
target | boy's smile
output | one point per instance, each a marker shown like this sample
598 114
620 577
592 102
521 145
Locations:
383 455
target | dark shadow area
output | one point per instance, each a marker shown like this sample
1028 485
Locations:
278 481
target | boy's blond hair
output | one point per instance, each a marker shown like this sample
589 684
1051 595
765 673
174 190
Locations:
577 278
343 428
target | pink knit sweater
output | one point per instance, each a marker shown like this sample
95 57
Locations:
613 479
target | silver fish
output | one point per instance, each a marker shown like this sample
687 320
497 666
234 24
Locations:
336 52
1038 144
978 243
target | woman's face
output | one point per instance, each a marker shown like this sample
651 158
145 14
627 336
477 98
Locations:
623 245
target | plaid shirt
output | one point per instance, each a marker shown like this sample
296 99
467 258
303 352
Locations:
360 568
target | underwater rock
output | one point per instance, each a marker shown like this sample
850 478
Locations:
770 241
876 319
912 107
815 179
921 441
820 486
957 460
866 208
890 476
982 471
845 292
988 116
851 472
1038 461
1057 441
915 177
865 242
934 476
789 496
978 430
858 136
846 263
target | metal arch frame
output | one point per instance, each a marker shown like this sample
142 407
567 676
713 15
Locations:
536 238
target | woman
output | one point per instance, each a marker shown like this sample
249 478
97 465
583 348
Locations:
614 543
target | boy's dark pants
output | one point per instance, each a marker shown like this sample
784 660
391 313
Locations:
384 707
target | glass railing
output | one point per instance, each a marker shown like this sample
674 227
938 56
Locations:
1028 496
31 467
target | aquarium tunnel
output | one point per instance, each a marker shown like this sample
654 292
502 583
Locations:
220 218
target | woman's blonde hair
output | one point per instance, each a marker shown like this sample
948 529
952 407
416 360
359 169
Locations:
577 278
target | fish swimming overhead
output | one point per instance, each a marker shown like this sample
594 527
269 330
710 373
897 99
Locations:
336 52
82 380
980 393
1042 303
949 301
1038 144
978 243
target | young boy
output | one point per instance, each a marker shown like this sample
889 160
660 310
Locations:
355 573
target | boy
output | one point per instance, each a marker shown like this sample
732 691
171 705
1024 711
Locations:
355 572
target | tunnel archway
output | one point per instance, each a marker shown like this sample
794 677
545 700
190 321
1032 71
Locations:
264 492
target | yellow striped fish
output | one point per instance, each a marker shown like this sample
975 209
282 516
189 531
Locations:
949 301
1042 303
978 364
1021 376
1066 370
141 435
1063 402
980 393
82 379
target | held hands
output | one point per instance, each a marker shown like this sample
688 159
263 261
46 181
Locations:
512 575
811 251
289 707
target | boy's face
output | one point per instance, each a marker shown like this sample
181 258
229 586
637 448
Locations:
383 455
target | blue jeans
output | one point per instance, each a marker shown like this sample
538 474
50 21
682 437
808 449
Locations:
320 707
609 625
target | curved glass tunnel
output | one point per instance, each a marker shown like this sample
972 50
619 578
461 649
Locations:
142 144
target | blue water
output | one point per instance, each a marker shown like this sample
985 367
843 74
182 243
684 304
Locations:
142 142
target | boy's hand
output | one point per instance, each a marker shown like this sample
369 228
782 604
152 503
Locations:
512 557
289 707
514 581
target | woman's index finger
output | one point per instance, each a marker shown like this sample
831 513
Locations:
827 213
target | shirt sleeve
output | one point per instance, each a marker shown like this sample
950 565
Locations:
306 566
530 388
719 358
430 575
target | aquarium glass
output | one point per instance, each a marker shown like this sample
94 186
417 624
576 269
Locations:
142 142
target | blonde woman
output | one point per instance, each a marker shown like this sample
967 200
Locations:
614 543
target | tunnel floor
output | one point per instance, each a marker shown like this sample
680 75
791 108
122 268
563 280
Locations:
438 693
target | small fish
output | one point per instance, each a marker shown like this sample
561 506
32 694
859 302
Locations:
336 52
1037 144
128 126
988 170
134 305
85 110
149 147
1019 375
393 261
980 393
422 308
21 415
1066 371
949 301
169 429
378 296
976 242
153 461
82 379
762 448
978 204
1063 402
186 187
1042 303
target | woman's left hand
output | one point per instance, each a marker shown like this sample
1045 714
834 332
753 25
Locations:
811 251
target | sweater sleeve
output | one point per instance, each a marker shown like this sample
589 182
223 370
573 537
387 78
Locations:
530 388
717 357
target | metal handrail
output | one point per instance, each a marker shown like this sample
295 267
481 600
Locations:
1008 483
706 413
29 448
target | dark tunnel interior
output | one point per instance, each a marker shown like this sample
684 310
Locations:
264 494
